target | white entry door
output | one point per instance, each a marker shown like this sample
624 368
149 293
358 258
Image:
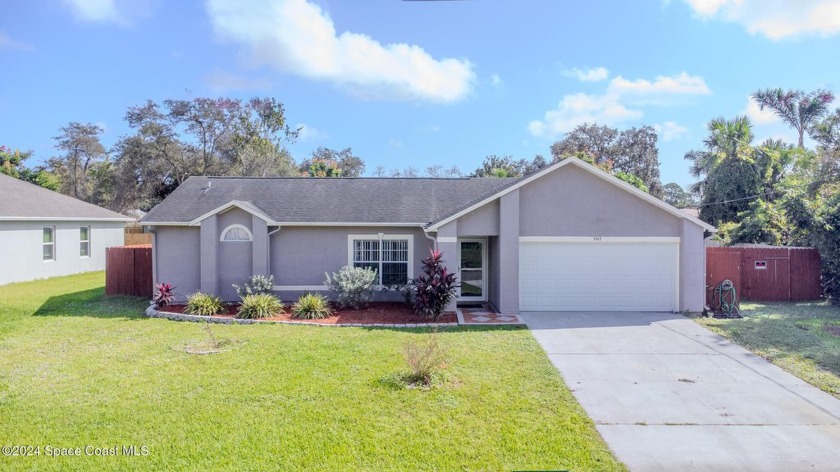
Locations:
610 274
472 270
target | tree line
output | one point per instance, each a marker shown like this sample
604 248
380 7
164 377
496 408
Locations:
169 142
172 140
631 155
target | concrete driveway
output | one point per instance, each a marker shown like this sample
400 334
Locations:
667 394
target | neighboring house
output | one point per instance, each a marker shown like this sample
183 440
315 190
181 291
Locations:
45 234
693 212
570 237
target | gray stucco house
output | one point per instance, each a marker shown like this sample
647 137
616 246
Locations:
46 234
568 238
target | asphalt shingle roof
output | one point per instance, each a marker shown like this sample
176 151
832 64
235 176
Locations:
328 200
19 199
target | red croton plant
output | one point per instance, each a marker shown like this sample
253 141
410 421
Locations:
163 294
435 287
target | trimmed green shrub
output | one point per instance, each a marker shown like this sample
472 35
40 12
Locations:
256 284
351 286
407 292
203 304
312 306
260 305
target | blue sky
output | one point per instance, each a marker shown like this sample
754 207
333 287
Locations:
417 83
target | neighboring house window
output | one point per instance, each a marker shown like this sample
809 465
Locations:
49 243
236 233
389 255
84 241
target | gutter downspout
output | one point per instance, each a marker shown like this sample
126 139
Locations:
154 257
430 238
268 250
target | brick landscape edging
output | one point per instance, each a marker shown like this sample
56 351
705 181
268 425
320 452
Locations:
151 312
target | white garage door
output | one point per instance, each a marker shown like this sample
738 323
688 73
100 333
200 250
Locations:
605 275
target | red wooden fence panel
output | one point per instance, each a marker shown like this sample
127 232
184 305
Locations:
765 273
722 264
143 272
805 274
128 271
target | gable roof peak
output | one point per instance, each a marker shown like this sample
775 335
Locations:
577 162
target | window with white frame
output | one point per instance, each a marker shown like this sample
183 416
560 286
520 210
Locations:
84 241
388 255
49 243
236 233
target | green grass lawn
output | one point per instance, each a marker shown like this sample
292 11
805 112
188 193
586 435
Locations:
80 369
802 338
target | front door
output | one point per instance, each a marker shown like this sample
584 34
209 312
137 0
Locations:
473 269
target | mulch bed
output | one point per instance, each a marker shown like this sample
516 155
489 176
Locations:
375 313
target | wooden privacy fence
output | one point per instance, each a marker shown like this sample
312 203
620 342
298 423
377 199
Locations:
128 271
765 274
135 239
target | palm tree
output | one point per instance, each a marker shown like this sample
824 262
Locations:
725 168
727 139
795 107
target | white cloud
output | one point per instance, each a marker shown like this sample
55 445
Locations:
670 130
582 108
680 84
9 43
759 116
297 36
310 133
587 75
775 19
618 104
496 81
221 81
95 10
706 7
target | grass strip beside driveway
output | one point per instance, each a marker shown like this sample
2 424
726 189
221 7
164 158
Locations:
802 338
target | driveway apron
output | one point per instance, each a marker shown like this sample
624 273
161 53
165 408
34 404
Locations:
667 394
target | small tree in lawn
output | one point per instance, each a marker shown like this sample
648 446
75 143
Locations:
435 287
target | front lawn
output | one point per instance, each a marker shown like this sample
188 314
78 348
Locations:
78 369
802 338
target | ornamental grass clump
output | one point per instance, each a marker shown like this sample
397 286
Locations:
203 304
424 360
434 288
351 286
260 305
312 306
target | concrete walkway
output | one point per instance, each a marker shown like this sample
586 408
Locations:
667 394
